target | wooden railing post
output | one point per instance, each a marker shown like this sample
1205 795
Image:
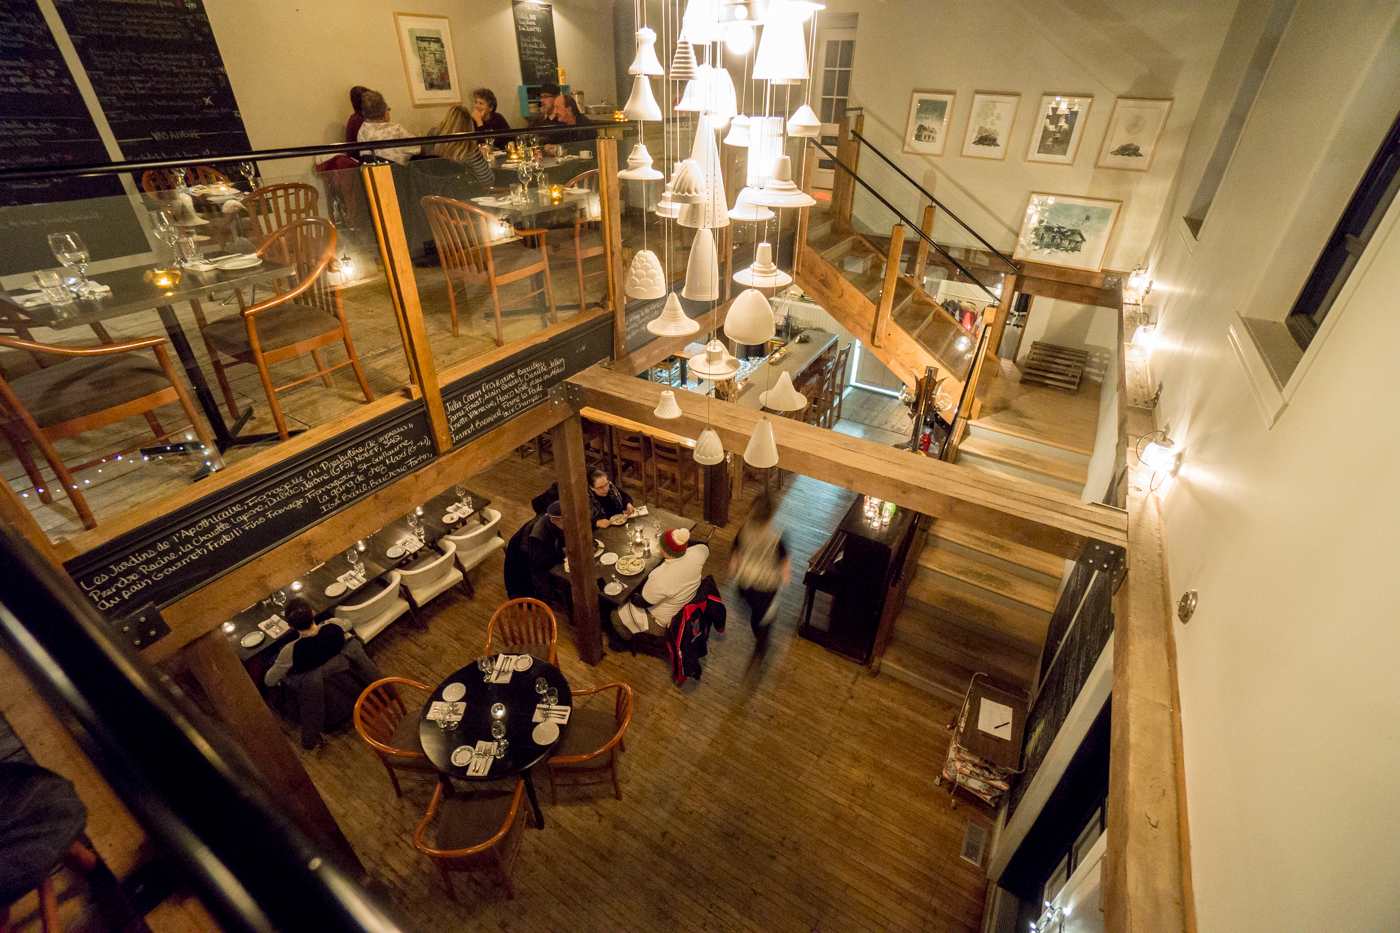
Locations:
921 251
809 169
849 157
998 323
610 203
893 262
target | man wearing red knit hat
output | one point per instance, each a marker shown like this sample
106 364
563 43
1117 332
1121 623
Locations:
669 587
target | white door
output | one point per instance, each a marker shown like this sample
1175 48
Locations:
835 56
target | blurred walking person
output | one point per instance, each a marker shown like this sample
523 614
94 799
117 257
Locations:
760 567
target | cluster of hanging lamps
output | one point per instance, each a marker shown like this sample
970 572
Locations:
745 209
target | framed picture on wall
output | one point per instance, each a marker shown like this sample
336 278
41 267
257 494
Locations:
1132 135
989 125
930 113
1058 129
1063 230
428 61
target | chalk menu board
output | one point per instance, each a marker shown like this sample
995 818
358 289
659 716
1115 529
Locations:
643 311
489 398
176 554
44 121
534 35
158 75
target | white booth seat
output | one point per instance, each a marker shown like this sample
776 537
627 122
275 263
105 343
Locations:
373 616
477 543
428 580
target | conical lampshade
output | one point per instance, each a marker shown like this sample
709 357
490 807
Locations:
721 102
645 278
667 407
783 396
750 319
738 132
762 451
711 211
642 104
708 449
700 24
673 322
780 190
688 184
702 270
804 122
683 62
714 364
639 165
782 51
665 206
745 209
690 97
763 273
645 62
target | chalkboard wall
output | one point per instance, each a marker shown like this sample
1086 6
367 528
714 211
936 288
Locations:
534 35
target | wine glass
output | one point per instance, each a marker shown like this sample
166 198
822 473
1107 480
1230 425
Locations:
552 696
522 171
461 490
165 228
249 171
279 599
352 557
69 249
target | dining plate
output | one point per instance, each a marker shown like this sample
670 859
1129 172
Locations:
523 662
335 589
451 518
462 755
252 639
453 692
608 559
241 261
395 552
618 519
613 588
546 733
630 566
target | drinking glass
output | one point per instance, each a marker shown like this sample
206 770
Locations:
500 749
498 729
249 171
461 490
483 664
52 285
517 192
352 557
69 249
165 228
186 250
279 599
552 696
541 686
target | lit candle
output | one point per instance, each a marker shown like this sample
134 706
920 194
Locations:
556 192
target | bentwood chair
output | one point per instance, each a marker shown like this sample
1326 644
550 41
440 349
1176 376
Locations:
390 726
465 237
524 624
273 207
168 179
474 833
587 241
592 742
91 388
295 321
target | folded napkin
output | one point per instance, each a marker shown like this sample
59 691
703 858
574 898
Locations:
410 544
640 511
481 760
275 627
460 510
351 579
546 713
29 299
505 666
446 712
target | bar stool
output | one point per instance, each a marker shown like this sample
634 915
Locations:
633 471
674 473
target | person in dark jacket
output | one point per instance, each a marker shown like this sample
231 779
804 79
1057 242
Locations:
323 667
545 115
532 553
485 118
606 499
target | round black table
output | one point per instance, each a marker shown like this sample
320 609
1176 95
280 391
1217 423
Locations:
519 698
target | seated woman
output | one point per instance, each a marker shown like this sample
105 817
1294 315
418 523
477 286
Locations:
484 115
352 126
606 499
465 152
566 113
323 667
378 126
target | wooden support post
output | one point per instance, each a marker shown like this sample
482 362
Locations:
840 181
809 171
998 324
13 511
842 211
213 663
726 249
892 263
610 203
403 291
572 474
921 251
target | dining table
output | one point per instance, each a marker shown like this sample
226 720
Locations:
486 700
617 540
538 209
558 170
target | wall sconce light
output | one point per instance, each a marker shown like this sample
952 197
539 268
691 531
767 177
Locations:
1139 286
346 265
1159 454
1144 338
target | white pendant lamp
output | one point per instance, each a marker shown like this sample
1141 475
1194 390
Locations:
708 449
639 167
762 451
702 270
642 105
688 184
667 407
782 50
804 122
683 62
673 321
700 24
715 364
745 209
645 278
645 62
783 396
765 145
780 190
693 97
738 132
711 211
665 206
750 319
722 102
763 273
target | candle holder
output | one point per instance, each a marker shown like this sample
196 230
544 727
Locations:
165 277
556 192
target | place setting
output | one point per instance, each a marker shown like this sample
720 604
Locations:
499 669
461 509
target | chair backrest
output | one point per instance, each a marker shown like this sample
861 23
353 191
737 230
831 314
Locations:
368 610
622 709
524 621
431 571
450 859
208 175
477 532
463 233
308 246
163 179
274 206
380 709
669 451
589 181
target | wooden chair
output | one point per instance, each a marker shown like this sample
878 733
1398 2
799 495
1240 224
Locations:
524 623
464 236
592 742
478 542
92 388
300 320
208 175
633 470
597 446
273 207
390 726
474 833
837 385
157 180
587 241
673 473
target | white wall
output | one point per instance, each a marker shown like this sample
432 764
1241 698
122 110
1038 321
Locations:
1108 49
1288 671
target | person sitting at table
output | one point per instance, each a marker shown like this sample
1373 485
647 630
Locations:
532 553
324 668
378 126
566 113
466 152
545 115
352 125
485 119
607 499
669 587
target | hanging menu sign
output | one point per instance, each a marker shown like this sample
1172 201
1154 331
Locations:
490 397
174 555
158 75
534 35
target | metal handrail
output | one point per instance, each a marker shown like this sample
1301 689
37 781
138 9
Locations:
196 795
939 204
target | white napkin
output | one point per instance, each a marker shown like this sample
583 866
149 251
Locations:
639 512
30 299
451 712
505 666
351 579
481 760
460 510
546 713
275 627
410 544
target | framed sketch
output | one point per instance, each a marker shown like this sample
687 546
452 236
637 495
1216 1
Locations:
428 61
1058 129
1133 131
989 125
1063 230
930 113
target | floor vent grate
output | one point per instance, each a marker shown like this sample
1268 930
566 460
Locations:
974 843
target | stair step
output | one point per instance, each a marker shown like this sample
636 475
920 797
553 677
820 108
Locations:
989 577
926 671
931 632
1030 460
1009 622
1009 551
1004 433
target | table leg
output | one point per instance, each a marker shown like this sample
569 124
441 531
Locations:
534 801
